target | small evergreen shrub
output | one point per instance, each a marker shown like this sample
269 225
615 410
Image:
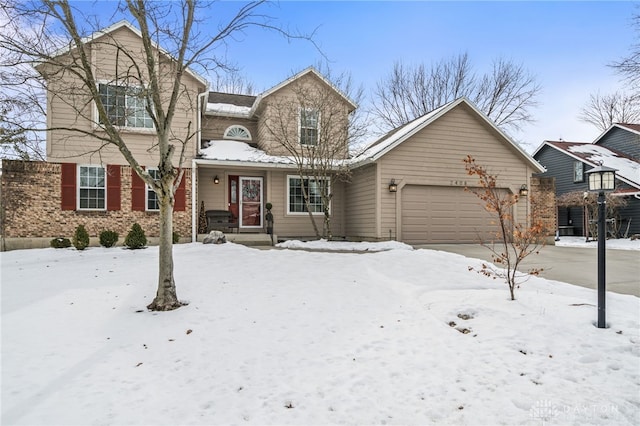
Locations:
135 238
176 237
81 238
108 238
60 243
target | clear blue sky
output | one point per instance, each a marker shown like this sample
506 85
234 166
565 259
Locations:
567 45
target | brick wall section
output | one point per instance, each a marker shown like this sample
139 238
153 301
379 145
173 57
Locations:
30 205
543 202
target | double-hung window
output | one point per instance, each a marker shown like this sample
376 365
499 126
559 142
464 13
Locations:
92 188
313 187
309 126
152 197
125 106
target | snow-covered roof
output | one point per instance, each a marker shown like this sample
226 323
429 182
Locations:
228 151
395 137
628 169
229 104
228 110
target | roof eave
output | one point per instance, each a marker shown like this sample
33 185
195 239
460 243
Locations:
302 73
120 24
592 164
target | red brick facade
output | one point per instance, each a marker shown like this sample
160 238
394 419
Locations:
31 205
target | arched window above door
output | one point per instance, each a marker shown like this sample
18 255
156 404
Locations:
237 132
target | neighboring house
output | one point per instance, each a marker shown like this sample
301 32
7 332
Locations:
408 186
618 147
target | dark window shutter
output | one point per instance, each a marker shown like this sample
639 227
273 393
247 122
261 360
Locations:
113 187
180 196
68 185
138 192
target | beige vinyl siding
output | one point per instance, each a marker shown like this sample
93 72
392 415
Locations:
299 225
213 127
66 93
284 103
360 211
434 156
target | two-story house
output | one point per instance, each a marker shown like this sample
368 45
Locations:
618 147
409 185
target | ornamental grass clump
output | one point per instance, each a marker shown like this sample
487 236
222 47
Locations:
136 238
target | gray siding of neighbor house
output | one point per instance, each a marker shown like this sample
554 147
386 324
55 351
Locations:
628 143
560 166
622 140
630 212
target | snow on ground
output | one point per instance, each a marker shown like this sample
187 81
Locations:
395 337
344 245
616 244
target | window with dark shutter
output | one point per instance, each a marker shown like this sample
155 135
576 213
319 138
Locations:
138 192
68 186
180 196
113 188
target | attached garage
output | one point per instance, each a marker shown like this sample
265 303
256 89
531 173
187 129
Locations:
444 214
416 176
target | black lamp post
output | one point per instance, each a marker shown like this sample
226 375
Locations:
601 179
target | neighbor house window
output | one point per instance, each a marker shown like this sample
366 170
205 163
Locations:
152 197
314 191
578 171
91 188
125 106
309 123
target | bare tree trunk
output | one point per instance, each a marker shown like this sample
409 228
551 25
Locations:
166 298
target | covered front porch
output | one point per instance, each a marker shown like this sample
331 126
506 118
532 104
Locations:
243 190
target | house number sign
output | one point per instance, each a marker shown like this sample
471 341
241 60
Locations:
458 182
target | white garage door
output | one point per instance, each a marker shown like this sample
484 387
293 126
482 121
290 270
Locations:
444 214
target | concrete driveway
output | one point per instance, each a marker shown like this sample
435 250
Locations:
574 265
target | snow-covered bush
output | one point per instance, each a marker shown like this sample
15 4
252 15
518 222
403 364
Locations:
60 242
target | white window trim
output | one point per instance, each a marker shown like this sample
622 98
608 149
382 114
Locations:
288 193
78 188
96 120
146 194
300 126
237 126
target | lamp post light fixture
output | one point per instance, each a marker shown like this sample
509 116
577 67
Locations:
601 179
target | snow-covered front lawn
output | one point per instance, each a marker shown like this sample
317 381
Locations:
394 337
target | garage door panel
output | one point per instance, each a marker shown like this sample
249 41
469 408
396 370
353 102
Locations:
440 214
